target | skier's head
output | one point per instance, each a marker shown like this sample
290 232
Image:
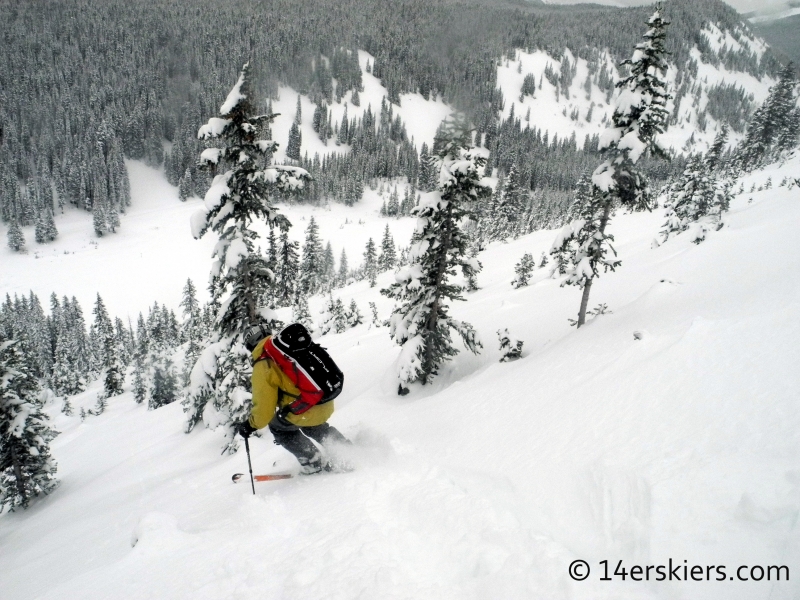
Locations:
254 334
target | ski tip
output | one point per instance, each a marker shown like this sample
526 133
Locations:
236 477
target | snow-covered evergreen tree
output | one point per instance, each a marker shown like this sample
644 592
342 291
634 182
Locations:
370 263
388 256
775 126
352 315
510 208
328 267
164 389
114 372
373 309
193 331
420 321
312 267
240 276
701 195
333 316
186 186
295 141
509 346
523 270
26 468
344 270
288 273
639 116
16 239
301 313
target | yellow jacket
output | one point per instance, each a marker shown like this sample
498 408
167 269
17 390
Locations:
267 379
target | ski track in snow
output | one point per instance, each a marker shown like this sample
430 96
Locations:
485 484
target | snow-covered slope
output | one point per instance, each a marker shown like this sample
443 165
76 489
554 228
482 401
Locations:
153 253
680 445
421 117
584 108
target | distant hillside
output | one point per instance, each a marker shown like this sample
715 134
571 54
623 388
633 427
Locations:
87 83
783 35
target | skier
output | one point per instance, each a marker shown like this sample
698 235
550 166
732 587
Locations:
273 392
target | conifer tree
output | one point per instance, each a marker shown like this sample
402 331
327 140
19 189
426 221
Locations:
523 270
343 129
312 268
301 313
698 193
192 328
375 319
333 316
420 321
343 269
510 208
16 239
639 116
339 316
240 277
774 127
186 186
164 389
26 468
388 256
295 142
393 206
328 266
509 346
288 271
99 220
370 263
110 352
353 316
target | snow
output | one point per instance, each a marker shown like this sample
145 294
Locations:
421 117
552 113
235 252
487 483
213 128
234 97
211 155
218 190
719 40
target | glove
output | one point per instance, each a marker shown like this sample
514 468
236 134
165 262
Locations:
245 430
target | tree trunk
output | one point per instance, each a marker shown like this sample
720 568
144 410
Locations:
588 287
248 295
584 302
18 472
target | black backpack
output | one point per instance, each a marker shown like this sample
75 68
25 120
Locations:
307 364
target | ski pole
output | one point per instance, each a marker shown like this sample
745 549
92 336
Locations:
250 465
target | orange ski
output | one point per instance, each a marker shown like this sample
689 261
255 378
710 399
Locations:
237 476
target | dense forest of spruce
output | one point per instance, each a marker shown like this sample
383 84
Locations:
85 84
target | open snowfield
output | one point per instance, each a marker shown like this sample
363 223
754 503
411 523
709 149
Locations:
682 445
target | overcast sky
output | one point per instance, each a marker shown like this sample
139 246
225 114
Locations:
740 5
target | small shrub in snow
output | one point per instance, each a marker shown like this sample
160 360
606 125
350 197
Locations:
353 316
374 310
523 270
509 346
